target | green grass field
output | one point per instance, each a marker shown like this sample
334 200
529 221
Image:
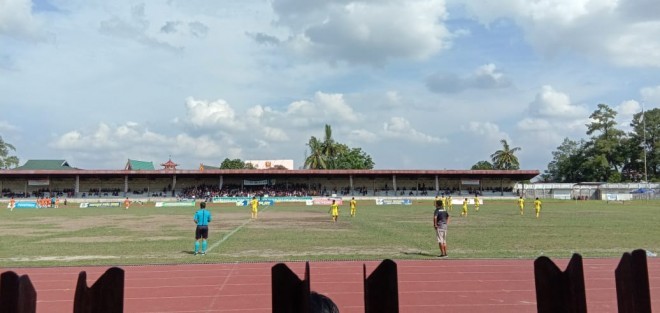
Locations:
287 232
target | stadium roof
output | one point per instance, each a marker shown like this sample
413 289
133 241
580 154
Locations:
207 167
135 165
52 165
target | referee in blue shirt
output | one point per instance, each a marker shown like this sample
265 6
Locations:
202 219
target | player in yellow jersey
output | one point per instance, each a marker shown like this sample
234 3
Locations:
476 202
334 211
254 204
465 208
353 206
521 205
537 207
444 202
450 205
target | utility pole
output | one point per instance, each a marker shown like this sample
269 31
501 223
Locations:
646 177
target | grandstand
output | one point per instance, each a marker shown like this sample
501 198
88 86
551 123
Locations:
140 179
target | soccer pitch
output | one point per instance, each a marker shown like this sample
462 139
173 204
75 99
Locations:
145 234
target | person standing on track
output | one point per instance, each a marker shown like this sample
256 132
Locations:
353 206
255 207
202 218
440 221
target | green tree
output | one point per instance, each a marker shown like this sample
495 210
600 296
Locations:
316 158
330 148
7 161
482 165
235 164
505 159
330 154
354 158
567 162
645 137
604 150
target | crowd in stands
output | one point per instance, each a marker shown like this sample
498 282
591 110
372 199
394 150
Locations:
204 191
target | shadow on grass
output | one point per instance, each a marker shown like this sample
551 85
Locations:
420 253
188 252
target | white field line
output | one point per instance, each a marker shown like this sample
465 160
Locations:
216 244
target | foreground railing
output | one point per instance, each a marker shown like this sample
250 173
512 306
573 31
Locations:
556 290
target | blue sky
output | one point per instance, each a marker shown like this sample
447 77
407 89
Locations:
417 84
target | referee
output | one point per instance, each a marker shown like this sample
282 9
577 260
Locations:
202 219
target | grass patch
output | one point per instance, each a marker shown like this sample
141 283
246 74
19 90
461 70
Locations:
290 232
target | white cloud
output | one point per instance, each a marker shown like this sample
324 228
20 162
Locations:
486 76
364 32
324 108
554 104
488 131
399 127
16 19
651 96
363 135
212 114
6 126
622 32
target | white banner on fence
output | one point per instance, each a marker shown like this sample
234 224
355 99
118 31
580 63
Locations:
38 182
470 182
617 197
255 182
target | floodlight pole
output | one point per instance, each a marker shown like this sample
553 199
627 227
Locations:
646 177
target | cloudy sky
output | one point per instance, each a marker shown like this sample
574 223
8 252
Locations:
417 84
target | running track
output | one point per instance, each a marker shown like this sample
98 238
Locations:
424 285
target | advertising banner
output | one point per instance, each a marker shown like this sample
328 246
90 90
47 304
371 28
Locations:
255 182
39 182
470 182
175 204
24 205
100 204
261 202
393 201
324 201
274 199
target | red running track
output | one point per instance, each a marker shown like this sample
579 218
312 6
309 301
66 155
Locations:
424 286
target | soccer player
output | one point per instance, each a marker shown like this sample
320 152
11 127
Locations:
440 221
444 202
12 204
465 208
334 211
476 202
450 205
521 205
537 207
255 207
57 202
127 203
353 206
202 218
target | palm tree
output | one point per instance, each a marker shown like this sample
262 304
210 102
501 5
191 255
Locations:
316 159
504 159
329 148
6 160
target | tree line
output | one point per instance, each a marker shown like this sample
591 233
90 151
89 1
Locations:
609 154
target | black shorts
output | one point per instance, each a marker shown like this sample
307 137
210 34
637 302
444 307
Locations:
201 232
